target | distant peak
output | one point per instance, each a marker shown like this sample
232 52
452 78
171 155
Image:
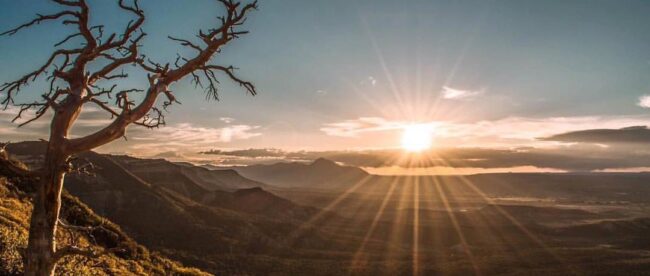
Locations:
253 189
323 161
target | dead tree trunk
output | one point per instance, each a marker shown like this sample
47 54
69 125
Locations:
47 204
40 256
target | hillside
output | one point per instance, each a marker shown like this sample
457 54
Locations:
320 174
188 226
118 176
185 178
129 258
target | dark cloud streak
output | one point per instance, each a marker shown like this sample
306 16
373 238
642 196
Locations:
569 157
634 134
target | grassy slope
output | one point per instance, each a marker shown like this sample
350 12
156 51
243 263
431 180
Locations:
130 259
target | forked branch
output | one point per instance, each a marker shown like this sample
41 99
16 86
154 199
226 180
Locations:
116 51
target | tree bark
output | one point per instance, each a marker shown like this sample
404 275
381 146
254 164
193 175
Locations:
47 204
41 247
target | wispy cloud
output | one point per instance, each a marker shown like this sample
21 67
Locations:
227 120
506 132
228 134
177 137
90 119
456 160
370 80
644 101
627 135
458 94
252 152
188 137
352 128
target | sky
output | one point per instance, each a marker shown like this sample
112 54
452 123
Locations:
336 77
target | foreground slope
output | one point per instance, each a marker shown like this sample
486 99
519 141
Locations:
128 257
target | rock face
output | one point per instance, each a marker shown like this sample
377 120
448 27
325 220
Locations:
320 174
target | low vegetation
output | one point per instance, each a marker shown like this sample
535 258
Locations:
83 228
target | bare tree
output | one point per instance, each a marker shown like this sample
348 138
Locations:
72 85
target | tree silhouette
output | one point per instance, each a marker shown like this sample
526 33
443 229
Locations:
79 74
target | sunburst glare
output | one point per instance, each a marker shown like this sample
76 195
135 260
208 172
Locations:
417 137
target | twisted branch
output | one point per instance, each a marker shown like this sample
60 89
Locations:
82 86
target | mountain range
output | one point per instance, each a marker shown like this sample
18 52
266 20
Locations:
319 174
180 216
322 218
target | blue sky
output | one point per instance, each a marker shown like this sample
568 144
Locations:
324 67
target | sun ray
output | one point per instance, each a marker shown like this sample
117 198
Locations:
459 232
416 227
322 212
359 253
399 221
389 76
513 220
429 200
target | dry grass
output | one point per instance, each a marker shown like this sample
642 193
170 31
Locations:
15 210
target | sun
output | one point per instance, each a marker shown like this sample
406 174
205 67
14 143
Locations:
417 137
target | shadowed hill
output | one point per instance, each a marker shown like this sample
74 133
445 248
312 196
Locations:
185 178
118 176
179 187
256 200
186 226
320 174
91 230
